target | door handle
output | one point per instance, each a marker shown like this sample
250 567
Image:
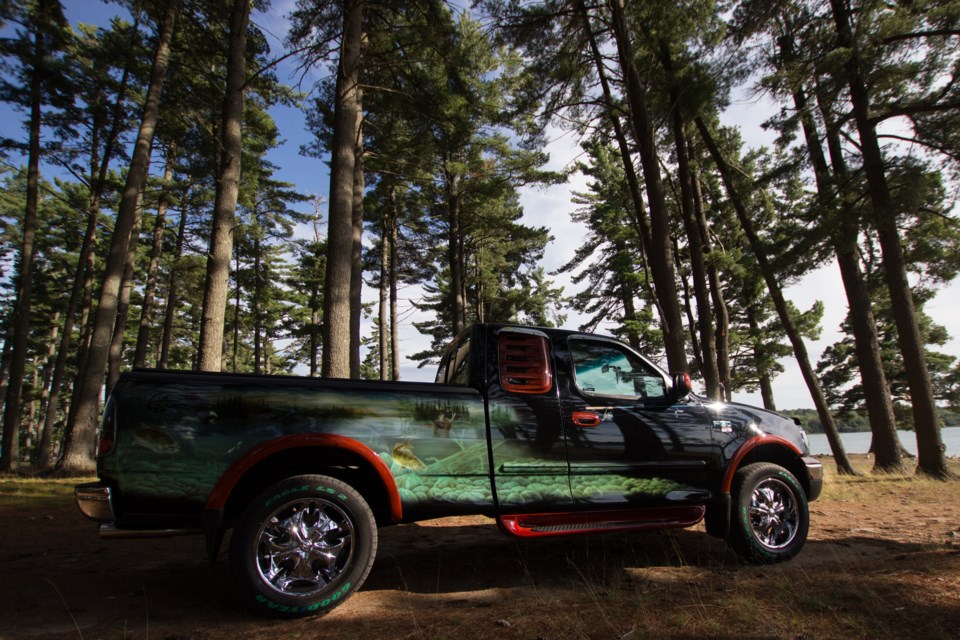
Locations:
586 419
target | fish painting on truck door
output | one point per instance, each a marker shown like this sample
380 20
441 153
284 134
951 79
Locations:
630 441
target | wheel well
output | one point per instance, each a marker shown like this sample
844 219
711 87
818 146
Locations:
782 456
337 463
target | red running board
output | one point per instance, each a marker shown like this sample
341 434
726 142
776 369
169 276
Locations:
537 525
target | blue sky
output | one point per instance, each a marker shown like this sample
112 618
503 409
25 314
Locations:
549 207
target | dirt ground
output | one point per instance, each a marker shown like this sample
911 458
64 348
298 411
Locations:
882 561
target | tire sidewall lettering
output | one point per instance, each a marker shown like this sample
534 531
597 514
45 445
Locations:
285 493
316 606
333 492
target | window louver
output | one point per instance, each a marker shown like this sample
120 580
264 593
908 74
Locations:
524 363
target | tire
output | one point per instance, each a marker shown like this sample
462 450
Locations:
771 518
303 546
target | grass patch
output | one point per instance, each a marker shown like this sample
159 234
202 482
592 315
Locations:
20 492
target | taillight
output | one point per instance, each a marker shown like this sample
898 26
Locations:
107 435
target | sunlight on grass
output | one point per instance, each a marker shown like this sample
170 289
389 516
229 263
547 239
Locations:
16 491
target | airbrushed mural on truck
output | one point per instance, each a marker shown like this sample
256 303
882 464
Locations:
436 451
550 432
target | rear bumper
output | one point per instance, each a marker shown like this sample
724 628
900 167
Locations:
814 476
95 501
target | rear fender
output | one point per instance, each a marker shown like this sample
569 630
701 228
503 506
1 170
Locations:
216 505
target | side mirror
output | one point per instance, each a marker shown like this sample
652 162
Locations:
682 385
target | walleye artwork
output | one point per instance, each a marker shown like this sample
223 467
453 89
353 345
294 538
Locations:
549 432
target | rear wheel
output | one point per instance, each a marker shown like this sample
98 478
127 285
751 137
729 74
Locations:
771 518
303 546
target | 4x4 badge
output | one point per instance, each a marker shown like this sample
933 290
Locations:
725 426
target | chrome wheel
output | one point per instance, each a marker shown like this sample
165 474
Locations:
774 514
304 546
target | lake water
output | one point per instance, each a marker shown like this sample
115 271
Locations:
860 442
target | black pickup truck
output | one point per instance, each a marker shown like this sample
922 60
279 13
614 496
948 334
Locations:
550 432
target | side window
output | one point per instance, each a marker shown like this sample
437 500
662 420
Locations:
605 368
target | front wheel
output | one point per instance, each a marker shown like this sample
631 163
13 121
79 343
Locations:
771 516
303 546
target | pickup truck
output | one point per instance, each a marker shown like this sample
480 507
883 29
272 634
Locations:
549 432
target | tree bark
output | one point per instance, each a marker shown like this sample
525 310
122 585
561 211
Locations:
258 351
721 314
455 255
783 311
42 454
356 263
339 274
930 449
698 264
238 292
394 316
123 306
760 357
383 310
79 441
228 190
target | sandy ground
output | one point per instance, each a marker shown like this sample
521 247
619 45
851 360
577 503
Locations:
882 561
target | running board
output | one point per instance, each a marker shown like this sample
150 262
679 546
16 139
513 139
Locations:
110 532
538 525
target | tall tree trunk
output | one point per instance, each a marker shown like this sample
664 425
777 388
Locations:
688 309
339 274
783 311
78 292
10 456
844 236
455 254
760 358
382 320
698 263
661 252
930 458
235 348
394 316
258 350
79 441
156 250
638 217
719 303
228 190
42 454
123 306
356 262
172 297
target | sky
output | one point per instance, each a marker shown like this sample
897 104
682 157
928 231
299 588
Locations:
550 207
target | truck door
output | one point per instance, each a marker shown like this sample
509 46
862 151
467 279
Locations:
627 443
528 455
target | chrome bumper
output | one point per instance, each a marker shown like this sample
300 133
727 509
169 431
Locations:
95 501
